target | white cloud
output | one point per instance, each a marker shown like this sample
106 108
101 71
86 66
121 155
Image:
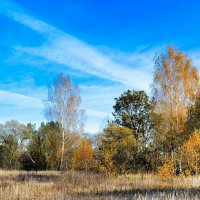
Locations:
19 100
96 113
70 51
21 107
128 71
87 59
29 109
101 97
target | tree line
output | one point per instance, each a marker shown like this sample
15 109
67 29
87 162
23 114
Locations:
158 134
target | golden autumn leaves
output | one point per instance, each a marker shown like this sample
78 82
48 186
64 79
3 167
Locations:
147 135
175 88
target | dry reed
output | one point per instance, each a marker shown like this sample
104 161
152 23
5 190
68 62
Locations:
21 185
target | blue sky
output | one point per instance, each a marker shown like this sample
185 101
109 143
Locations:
106 46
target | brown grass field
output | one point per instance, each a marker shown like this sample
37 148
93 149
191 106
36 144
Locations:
75 185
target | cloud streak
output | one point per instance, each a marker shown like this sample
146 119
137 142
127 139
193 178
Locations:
24 101
66 52
26 104
19 100
70 51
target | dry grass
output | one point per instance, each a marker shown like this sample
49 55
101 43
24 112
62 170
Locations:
75 185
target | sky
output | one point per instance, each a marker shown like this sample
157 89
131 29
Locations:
105 46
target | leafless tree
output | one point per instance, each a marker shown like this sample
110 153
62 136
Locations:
63 106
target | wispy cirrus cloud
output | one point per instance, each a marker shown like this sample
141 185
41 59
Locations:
126 70
70 51
19 100
22 105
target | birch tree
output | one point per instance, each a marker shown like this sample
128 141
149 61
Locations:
175 85
63 106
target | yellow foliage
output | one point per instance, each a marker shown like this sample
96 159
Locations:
176 82
191 152
116 150
167 170
83 157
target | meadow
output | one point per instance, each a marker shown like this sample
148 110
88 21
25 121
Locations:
46 185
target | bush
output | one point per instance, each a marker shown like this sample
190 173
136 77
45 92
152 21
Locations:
167 170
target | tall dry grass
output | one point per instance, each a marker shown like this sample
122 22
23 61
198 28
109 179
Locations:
18 185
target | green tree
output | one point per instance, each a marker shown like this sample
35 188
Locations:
193 117
117 149
44 147
36 154
133 110
12 136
